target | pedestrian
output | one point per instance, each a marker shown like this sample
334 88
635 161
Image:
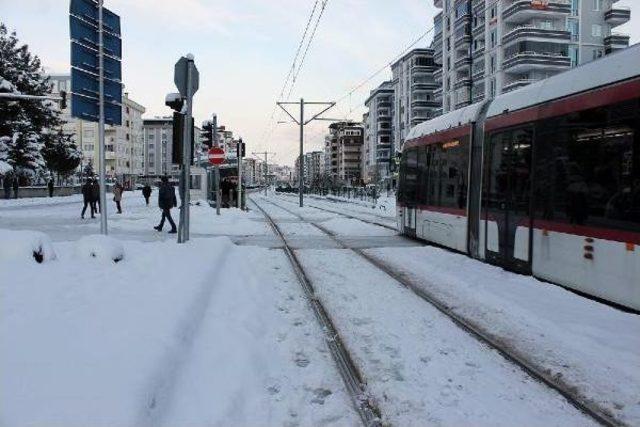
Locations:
6 184
50 187
16 186
95 196
87 198
167 201
117 195
146 192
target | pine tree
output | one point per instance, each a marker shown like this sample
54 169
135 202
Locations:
23 123
61 154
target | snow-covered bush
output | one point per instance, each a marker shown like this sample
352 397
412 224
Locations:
100 247
25 245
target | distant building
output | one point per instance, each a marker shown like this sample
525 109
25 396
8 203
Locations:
344 147
414 87
158 141
378 133
487 48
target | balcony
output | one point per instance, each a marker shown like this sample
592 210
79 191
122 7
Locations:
615 42
462 104
478 71
437 57
517 84
463 62
617 16
423 102
437 38
528 61
463 41
424 85
526 32
463 82
479 52
437 76
477 6
478 32
524 10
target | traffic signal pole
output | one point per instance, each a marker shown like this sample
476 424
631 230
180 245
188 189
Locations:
239 152
101 147
301 122
216 168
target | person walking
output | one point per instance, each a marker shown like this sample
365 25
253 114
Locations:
87 198
167 201
95 196
146 192
6 184
117 196
16 186
50 187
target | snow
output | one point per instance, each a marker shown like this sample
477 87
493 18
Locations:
103 248
25 247
422 368
171 335
453 119
592 346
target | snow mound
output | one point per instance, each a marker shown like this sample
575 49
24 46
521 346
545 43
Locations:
25 245
101 247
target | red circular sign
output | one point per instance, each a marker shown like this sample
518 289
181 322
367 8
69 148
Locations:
216 156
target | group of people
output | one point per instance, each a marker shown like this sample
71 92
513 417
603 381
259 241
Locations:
10 182
166 200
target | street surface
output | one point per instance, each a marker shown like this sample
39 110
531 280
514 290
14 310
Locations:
218 332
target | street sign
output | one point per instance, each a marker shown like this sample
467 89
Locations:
216 156
180 76
85 84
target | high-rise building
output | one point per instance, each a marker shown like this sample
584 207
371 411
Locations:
378 133
158 142
490 47
414 85
344 146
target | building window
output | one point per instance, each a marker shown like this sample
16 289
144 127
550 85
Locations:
597 5
596 30
574 55
494 38
575 5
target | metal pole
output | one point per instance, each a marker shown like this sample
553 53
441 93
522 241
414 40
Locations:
240 174
186 158
101 147
266 172
301 160
216 168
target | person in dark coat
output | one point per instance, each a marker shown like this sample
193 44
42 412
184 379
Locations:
95 196
146 192
87 198
50 187
16 186
6 184
167 201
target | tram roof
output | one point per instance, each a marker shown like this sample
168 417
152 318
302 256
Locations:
619 66
453 119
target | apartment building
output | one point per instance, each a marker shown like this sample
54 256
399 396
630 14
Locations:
378 133
414 85
343 149
124 144
158 143
489 47
313 167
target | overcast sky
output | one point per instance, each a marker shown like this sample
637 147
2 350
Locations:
244 49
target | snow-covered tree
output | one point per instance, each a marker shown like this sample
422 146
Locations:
23 123
61 154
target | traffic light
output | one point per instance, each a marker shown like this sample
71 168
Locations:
175 101
241 149
63 99
177 144
207 134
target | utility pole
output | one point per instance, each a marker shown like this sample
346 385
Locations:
240 153
266 169
216 168
101 148
301 122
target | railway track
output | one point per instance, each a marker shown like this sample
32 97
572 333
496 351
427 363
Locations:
535 371
366 408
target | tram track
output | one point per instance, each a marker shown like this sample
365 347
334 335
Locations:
351 376
537 372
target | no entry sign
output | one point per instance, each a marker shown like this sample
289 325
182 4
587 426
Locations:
216 156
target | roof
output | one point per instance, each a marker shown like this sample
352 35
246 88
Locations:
615 67
453 119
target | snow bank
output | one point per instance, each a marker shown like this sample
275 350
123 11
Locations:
101 247
25 245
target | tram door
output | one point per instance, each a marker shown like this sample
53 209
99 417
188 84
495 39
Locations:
507 199
410 183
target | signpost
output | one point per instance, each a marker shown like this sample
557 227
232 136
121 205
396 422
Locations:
187 80
96 75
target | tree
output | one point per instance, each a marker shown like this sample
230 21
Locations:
61 154
23 123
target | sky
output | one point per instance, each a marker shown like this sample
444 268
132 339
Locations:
244 50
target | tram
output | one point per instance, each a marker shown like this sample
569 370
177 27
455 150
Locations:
544 180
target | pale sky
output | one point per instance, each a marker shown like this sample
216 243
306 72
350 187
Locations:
244 49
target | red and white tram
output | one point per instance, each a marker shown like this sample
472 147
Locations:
544 180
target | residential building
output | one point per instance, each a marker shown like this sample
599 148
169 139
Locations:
158 142
313 168
487 48
345 148
414 84
378 134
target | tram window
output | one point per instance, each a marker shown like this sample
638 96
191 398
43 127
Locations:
589 168
411 176
423 167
